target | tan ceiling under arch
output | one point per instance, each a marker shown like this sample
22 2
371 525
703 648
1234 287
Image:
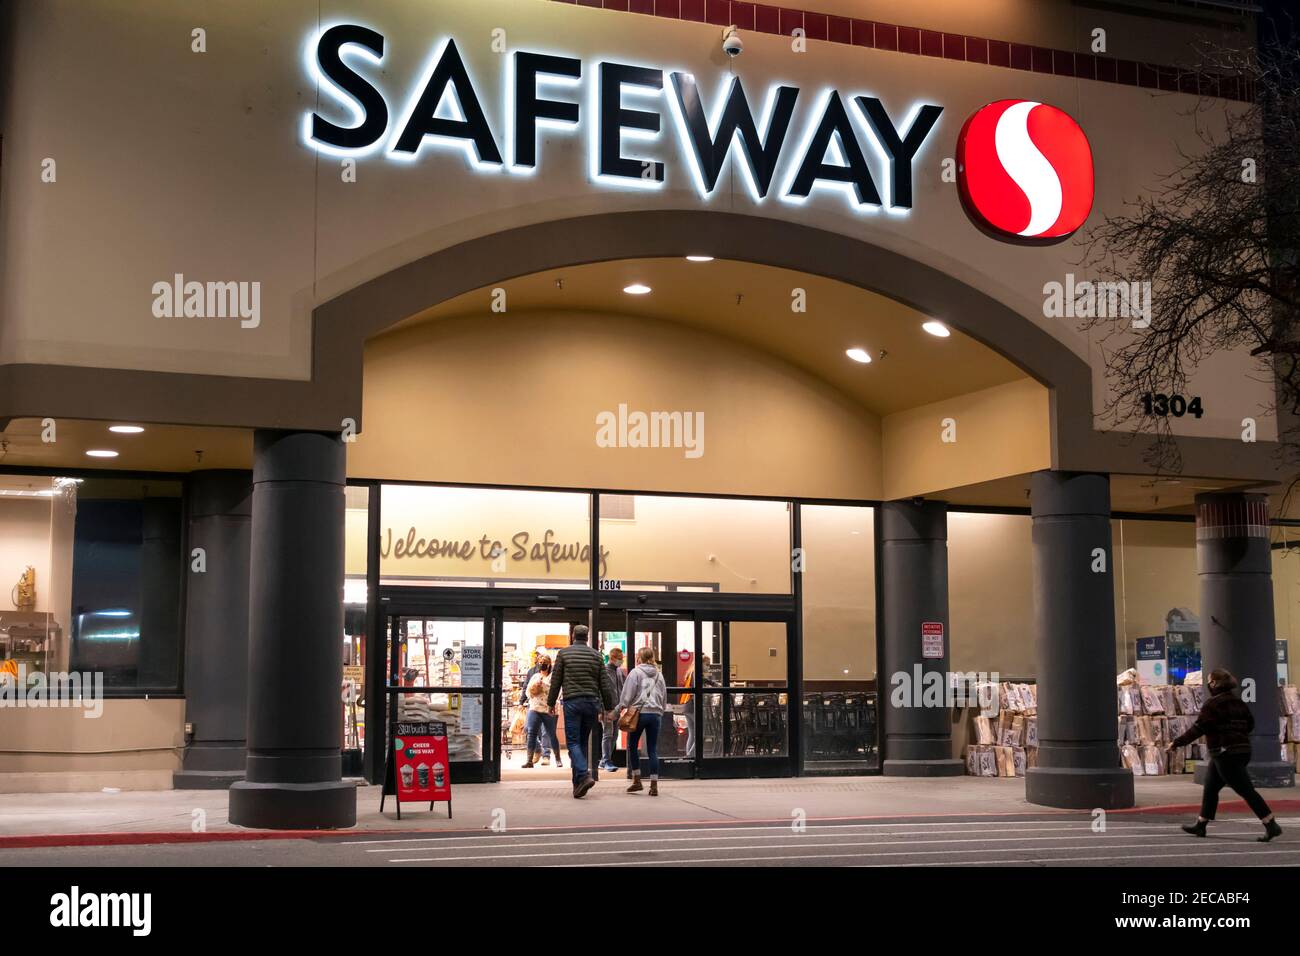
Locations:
755 305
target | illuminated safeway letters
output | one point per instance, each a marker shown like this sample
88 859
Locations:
810 142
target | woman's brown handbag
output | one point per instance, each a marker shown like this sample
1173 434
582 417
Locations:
628 719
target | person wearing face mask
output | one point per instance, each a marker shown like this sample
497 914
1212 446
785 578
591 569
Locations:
1226 722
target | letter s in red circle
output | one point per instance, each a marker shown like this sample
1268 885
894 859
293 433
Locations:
1024 169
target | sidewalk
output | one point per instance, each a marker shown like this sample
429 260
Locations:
59 819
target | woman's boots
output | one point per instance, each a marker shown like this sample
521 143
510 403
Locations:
532 759
1271 829
1196 829
637 788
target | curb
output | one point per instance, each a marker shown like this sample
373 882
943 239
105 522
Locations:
145 838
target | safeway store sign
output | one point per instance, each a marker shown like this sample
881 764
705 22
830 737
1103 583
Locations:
796 143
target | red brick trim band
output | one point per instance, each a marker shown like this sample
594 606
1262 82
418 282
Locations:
766 18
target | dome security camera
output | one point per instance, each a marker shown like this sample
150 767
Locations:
732 44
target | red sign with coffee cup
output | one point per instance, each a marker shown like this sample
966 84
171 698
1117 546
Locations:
423 767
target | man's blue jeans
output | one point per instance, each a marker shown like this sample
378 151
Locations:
580 718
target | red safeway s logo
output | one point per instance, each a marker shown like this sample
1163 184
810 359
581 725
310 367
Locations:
1025 169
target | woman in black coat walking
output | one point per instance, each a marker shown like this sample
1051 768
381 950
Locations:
1226 722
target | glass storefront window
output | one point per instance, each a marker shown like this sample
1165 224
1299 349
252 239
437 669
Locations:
37 516
127 566
717 544
991 554
472 537
356 523
1157 593
446 654
839 637
1286 600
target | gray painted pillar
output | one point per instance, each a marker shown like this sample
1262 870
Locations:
914 579
216 630
1235 567
1074 636
295 638
160 600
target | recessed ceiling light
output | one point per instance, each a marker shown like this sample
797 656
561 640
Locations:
101 453
126 429
936 328
699 258
636 288
858 355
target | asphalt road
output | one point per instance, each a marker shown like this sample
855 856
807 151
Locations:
1027 841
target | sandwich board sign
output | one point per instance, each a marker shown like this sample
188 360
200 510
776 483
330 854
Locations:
418 766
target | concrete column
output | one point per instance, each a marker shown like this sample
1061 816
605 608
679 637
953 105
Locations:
1074 635
216 630
1235 568
295 634
914 578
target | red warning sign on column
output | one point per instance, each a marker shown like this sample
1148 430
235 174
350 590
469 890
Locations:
932 639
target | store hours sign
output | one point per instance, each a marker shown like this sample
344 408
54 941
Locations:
787 141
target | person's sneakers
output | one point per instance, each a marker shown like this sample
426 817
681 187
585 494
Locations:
654 788
582 786
636 784
1196 829
546 761
609 767
1271 829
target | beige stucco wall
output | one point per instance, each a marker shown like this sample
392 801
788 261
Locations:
513 399
998 431
206 175
133 744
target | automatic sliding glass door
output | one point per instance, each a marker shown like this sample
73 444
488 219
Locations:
744 705
441 669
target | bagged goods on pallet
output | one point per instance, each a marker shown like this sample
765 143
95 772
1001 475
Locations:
1283 728
1132 759
1031 756
1293 728
1160 731
1290 699
1125 678
1192 679
1153 761
984 731
1144 733
1151 700
1019 760
1031 733
1126 732
1130 700
988 762
1177 761
1168 700
1186 700
972 761
1200 695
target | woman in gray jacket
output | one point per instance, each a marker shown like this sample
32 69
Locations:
645 689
